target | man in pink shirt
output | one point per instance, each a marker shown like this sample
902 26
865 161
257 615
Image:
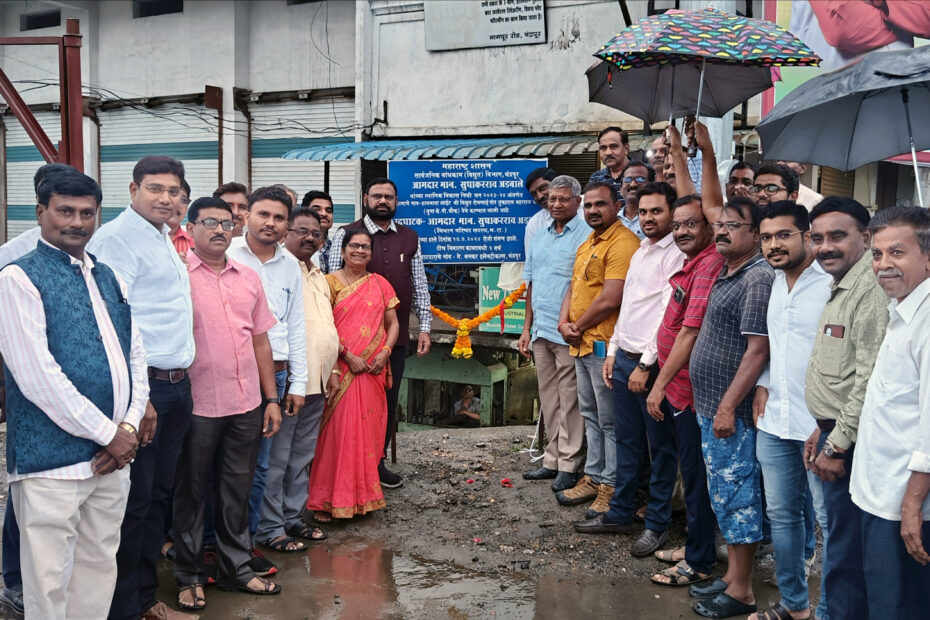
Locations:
232 369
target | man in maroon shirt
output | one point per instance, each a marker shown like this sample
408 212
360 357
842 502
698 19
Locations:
671 392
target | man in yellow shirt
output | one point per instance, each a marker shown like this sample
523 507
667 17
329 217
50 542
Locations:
586 322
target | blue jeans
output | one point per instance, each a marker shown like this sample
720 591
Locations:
786 494
843 575
597 409
261 467
896 586
818 515
633 424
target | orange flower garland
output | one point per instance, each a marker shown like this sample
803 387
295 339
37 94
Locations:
462 347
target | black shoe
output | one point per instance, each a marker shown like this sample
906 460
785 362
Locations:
708 590
543 473
597 525
260 565
648 543
11 602
564 480
389 480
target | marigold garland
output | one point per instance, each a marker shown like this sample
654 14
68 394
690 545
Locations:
463 327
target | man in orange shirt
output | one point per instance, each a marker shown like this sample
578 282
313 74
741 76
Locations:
589 312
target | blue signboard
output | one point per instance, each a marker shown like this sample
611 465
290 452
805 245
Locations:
466 211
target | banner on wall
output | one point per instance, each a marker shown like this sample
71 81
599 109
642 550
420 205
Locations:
466 211
842 31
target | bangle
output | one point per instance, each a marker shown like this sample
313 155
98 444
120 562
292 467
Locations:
559 326
336 372
386 348
128 427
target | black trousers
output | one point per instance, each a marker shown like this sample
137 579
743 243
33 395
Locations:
224 451
147 510
398 362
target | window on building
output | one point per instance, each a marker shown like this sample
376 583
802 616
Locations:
40 19
151 8
293 2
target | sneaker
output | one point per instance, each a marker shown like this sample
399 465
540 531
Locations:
582 492
601 503
389 480
11 602
260 565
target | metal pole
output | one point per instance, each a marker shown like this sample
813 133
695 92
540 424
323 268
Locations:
701 87
72 104
910 135
671 105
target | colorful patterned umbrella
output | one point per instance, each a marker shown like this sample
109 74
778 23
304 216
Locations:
704 37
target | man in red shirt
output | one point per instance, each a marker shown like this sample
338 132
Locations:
671 392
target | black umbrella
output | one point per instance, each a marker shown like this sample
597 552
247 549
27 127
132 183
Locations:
856 115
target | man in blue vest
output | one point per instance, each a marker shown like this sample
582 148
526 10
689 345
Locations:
76 392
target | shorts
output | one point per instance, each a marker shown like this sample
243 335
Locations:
734 481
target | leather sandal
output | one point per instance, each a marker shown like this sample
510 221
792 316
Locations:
199 601
776 612
681 575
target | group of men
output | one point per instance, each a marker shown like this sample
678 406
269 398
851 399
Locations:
165 385
737 339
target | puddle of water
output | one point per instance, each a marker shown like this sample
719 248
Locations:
361 578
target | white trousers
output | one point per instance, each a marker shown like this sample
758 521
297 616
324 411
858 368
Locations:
69 534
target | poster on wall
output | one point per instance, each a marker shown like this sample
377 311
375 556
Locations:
842 31
466 211
490 296
463 24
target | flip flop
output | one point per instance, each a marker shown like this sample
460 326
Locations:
283 545
681 575
722 606
326 520
668 555
199 601
268 589
313 534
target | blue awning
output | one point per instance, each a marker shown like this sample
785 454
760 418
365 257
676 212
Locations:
449 148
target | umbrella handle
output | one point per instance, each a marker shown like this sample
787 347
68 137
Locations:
910 135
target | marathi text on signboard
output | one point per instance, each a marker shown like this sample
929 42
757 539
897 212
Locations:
461 24
466 211
490 296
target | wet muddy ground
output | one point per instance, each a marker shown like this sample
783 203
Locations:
456 543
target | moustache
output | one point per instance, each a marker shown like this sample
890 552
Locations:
721 239
829 255
890 272
78 232
220 236
684 238
774 253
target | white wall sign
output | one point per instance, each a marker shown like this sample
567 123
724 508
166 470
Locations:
460 24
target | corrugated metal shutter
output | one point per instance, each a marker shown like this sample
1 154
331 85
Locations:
22 161
282 126
579 166
184 131
835 182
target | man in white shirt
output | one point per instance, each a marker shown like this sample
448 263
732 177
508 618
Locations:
266 225
138 246
807 197
76 390
891 472
294 446
799 293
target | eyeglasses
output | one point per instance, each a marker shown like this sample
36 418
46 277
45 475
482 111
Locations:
689 225
211 223
303 232
781 235
377 197
359 246
768 188
174 192
185 200
628 180
729 225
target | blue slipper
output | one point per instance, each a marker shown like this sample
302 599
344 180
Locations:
722 606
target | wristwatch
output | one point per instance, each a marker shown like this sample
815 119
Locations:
642 367
274 400
830 450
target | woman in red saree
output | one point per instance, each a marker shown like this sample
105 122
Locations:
344 478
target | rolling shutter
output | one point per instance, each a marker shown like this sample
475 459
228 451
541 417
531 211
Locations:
22 161
286 125
186 132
